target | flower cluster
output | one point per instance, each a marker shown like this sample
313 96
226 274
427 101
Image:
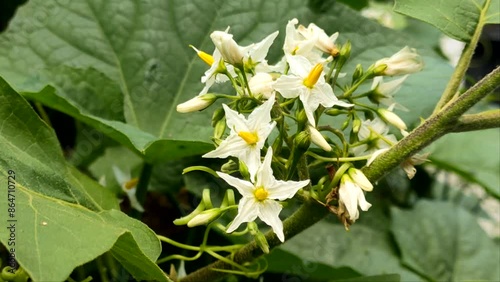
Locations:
289 98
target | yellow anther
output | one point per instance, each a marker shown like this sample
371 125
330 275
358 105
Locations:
294 51
313 76
250 137
209 59
260 194
131 183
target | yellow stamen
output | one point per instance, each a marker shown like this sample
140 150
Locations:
295 50
260 194
250 137
209 59
313 76
131 183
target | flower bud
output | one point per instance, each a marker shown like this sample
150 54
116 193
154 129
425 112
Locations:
197 103
228 48
405 61
261 84
356 125
392 118
229 167
358 72
219 129
334 112
318 139
205 217
218 115
302 141
244 170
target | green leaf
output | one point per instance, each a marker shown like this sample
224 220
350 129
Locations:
58 210
443 242
376 278
482 168
365 250
457 19
68 50
294 268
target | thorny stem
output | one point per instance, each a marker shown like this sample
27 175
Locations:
311 212
463 63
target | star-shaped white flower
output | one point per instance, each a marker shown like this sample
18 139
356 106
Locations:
247 136
297 44
351 193
259 197
322 41
307 82
129 186
383 92
405 61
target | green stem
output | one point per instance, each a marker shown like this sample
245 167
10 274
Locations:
484 120
463 63
43 114
142 186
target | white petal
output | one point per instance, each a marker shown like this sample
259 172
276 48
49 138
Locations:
281 190
121 176
251 157
259 50
265 173
375 155
247 212
360 179
288 85
232 146
263 132
363 204
299 65
235 121
244 187
269 213
261 115
349 195
134 203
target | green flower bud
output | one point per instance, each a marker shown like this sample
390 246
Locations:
229 167
356 125
334 112
204 217
244 170
302 141
217 116
358 72
219 129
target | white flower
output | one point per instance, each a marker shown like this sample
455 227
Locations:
383 92
197 103
351 194
129 186
322 41
375 136
405 61
318 139
238 55
308 83
259 197
297 44
247 136
261 84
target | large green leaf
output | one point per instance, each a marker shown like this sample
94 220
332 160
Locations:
363 249
443 242
457 19
141 48
479 161
63 219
